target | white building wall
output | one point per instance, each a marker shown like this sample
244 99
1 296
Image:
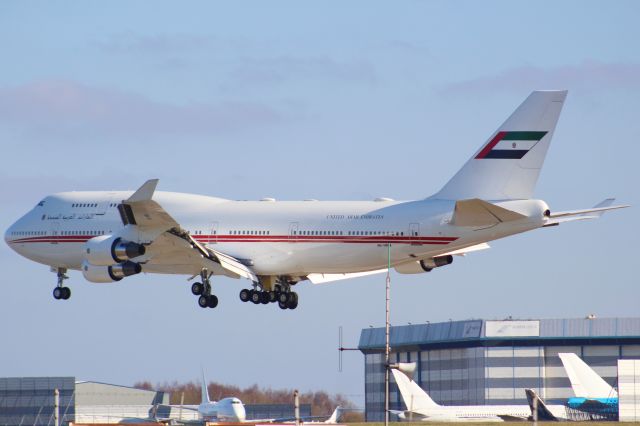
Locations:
629 390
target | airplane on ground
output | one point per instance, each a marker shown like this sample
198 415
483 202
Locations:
592 392
420 407
232 410
228 410
110 235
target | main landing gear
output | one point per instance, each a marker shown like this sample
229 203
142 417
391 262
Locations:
206 299
281 294
61 292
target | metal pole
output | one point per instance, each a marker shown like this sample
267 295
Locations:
56 407
386 336
296 406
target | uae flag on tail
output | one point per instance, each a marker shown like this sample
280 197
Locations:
510 145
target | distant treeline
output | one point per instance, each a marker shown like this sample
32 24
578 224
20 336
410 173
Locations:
321 402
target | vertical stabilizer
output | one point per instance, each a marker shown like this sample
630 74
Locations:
335 416
585 382
537 405
506 167
414 397
205 391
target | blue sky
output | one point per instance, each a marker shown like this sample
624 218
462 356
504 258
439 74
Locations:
327 100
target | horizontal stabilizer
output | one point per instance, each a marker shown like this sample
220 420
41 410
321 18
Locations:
477 212
592 213
327 278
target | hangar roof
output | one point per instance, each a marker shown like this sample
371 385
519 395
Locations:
479 332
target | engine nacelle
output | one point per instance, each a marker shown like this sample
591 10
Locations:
109 274
436 262
426 265
107 249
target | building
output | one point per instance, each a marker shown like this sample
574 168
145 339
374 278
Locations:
478 362
30 401
629 390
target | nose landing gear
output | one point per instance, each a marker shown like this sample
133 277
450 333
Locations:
61 292
206 299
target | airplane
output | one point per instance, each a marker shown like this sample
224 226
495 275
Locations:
232 410
420 407
110 235
592 392
227 410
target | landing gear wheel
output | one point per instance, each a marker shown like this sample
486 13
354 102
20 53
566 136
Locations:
282 305
197 289
255 297
58 293
264 297
203 301
283 297
213 301
245 295
292 303
273 297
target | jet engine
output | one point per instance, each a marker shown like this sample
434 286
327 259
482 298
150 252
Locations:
425 265
109 274
106 250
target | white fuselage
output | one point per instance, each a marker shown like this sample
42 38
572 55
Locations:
285 238
225 410
477 413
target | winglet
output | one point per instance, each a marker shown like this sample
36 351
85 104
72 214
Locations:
145 192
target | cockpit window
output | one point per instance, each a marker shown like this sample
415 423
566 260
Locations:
41 203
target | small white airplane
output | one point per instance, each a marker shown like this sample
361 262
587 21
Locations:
110 235
227 410
420 407
232 410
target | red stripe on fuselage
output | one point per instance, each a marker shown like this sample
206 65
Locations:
362 239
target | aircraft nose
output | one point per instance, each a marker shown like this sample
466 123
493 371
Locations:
8 233
240 413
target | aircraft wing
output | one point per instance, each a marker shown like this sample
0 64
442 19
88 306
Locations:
592 213
174 249
326 278
464 251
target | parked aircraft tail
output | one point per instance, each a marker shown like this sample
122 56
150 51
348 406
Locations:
507 166
537 404
414 397
585 382
335 416
205 391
